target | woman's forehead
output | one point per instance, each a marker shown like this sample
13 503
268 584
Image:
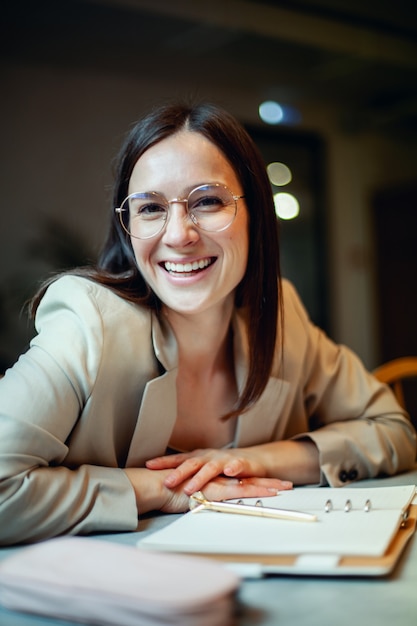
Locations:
186 156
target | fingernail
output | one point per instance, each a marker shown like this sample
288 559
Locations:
286 483
273 491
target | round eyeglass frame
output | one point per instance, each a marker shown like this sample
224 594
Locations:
122 209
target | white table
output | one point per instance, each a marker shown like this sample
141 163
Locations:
300 601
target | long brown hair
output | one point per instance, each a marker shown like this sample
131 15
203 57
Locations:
259 290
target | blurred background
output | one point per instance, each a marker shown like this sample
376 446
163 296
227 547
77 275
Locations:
327 88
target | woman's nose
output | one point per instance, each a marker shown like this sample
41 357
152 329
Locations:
180 230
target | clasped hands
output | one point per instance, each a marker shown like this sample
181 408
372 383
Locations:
220 474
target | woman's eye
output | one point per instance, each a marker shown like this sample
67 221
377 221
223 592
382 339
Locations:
147 210
208 202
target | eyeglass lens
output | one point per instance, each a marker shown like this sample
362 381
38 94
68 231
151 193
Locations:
210 207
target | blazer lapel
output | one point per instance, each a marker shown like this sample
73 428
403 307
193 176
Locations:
156 420
158 410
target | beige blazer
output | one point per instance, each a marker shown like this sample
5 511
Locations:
96 392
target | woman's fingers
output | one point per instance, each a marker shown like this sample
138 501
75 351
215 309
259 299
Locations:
203 465
198 469
253 487
194 470
222 488
240 487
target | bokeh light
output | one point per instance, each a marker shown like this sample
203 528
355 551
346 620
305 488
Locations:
279 174
287 206
271 112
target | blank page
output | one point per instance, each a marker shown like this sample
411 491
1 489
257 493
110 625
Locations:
338 532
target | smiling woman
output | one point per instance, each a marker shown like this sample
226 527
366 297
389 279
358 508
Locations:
182 362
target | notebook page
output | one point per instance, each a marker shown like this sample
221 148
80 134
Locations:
338 532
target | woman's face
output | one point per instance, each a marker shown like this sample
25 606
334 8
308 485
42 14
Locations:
174 167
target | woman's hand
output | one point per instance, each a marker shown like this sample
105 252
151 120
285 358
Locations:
152 493
254 472
238 472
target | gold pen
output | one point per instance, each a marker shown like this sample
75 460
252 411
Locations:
199 502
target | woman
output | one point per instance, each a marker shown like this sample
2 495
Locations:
182 362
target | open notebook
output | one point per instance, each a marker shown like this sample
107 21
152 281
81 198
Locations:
358 531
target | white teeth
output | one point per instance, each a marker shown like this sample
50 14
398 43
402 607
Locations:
185 268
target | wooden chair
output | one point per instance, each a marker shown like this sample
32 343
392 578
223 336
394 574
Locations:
394 372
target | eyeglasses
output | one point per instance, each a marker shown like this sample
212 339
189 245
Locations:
211 207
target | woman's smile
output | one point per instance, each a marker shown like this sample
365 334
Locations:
187 268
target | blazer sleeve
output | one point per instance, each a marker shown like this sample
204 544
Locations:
41 400
357 424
